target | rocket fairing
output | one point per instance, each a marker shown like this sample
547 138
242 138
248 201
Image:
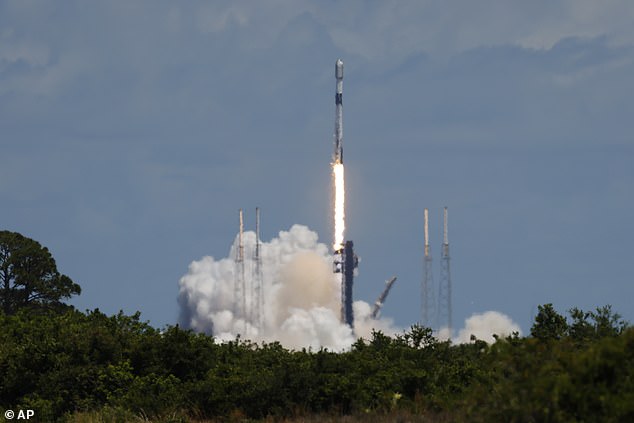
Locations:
338 154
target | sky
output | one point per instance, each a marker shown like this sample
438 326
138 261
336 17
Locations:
131 132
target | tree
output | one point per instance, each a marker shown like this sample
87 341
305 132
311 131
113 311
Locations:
29 276
580 328
608 323
549 324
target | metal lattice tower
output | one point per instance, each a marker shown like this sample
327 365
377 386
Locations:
444 294
239 291
427 288
257 285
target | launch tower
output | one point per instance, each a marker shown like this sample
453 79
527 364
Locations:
239 292
257 280
427 288
444 292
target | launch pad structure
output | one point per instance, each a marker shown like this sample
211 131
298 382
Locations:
345 261
239 292
444 289
427 289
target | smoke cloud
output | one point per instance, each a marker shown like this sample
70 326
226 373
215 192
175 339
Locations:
483 326
301 298
300 295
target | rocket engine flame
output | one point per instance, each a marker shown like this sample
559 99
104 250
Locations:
340 218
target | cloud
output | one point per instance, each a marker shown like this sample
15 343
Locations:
483 326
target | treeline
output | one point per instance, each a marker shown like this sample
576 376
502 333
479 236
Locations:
63 364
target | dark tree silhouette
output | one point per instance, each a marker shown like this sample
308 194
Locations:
549 324
29 276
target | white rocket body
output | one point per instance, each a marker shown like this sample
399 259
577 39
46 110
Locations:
338 154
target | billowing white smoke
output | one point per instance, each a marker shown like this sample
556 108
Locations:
301 298
300 295
483 326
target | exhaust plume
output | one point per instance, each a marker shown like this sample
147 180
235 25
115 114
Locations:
301 295
340 194
482 326
301 299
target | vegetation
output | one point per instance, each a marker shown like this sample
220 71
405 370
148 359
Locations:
72 362
29 276
89 367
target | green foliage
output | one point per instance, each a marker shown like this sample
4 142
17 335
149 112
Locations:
585 325
67 366
549 324
607 323
29 276
580 329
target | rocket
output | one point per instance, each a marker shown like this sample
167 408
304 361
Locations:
338 154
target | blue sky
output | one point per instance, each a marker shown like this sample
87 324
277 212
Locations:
131 132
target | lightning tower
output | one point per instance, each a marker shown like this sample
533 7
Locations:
427 288
239 292
258 293
444 292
